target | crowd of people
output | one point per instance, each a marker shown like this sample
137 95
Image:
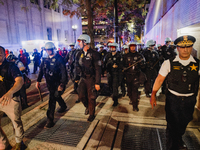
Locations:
151 67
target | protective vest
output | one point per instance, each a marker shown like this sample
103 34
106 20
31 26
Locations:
87 64
152 60
114 59
5 82
133 58
183 79
51 70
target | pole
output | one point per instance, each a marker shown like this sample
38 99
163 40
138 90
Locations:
75 35
116 22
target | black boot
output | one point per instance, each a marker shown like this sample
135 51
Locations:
62 109
91 118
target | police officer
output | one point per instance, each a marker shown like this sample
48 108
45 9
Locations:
88 71
70 59
182 75
168 51
54 70
152 65
11 81
133 62
114 66
36 60
103 53
125 49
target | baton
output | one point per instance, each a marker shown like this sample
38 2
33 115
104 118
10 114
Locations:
155 63
41 99
132 65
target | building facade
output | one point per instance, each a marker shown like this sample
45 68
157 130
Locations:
173 18
24 20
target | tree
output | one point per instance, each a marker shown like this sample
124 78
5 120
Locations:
98 10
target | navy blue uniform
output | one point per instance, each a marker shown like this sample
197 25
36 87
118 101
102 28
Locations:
36 61
151 70
132 75
114 74
8 72
55 73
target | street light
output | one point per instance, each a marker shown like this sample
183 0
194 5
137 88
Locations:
74 27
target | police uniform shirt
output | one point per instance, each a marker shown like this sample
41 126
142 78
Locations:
10 74
13 71
165 69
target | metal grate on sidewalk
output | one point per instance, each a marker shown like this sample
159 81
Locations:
146 138
70 133
65 132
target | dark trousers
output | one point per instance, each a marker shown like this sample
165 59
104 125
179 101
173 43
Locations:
151 77
36 65
52 104
123 88
115 85
72 78
109 78
179 112
23 96
87 93
132 87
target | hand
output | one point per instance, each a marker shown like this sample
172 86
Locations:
37 85
60 88
76 81
115 66
153 101
6 98
97 87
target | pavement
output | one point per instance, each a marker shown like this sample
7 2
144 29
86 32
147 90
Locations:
113 128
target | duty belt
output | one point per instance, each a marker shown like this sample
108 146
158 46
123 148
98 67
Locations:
86 75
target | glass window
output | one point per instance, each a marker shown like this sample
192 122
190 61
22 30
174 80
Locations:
49 33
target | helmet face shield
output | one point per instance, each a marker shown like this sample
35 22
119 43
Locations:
112 48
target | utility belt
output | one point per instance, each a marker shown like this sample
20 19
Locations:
179 97
86 76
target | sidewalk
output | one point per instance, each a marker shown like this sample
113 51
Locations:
113 128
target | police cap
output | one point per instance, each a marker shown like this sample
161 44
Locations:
185 41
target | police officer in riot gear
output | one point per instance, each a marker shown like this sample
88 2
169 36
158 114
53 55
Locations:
36 60
133 72
103 53
168 51
182 76
88 71
70 59
114 66
125 50
54 70
152 65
